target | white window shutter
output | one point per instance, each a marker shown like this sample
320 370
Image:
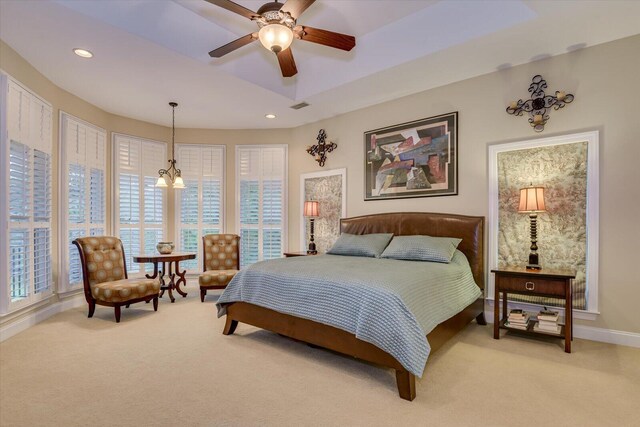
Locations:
200 204
26 265
141 206
84 156
261 201
20 176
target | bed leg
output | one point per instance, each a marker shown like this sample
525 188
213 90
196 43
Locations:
230 326
406 384
481 319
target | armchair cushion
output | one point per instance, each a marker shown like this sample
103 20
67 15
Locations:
125 289
104 259
216 278
221 251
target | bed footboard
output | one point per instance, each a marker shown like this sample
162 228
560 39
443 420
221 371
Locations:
335 339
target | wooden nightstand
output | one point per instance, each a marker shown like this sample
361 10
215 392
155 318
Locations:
544 283
292 254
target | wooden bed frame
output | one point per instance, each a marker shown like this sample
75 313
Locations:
469 228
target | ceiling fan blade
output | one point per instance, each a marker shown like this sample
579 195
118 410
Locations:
287 64
327 38
296 7
236 8
236 44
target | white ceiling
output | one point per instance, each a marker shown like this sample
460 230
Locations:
148 52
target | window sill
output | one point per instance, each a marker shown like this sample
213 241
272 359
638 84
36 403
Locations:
16 312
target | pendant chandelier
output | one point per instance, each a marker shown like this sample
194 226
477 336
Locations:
173 173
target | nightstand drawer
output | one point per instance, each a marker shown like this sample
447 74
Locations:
533 285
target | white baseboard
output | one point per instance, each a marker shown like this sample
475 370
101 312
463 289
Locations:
611 336
14 327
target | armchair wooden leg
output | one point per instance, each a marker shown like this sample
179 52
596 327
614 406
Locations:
155 303
92 308
203 293
117 310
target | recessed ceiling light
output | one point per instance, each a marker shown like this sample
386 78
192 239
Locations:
270 116
83 53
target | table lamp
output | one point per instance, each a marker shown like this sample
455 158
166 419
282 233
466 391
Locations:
312 211
532 202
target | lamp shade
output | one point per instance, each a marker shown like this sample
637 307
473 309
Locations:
531 199
311 208
178 183
161 182
275 37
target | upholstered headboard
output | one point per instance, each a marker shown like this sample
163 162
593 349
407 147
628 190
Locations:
468 228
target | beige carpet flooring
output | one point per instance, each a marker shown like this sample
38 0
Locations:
175 368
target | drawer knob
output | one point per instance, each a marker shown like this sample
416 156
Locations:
529 286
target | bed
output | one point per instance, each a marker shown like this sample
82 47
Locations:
350 341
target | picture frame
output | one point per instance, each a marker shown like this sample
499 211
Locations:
329 188
413 159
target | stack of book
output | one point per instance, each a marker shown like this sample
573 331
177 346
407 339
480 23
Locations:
547 322
518 319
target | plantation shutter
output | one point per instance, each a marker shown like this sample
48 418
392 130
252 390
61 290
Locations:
84 157
141 206
19 214
200 204
261 202
26 168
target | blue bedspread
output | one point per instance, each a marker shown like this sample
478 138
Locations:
390 303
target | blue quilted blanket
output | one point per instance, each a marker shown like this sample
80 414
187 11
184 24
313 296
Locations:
390 303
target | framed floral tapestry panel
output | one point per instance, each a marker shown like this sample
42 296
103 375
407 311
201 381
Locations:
415 159
329 188
566 167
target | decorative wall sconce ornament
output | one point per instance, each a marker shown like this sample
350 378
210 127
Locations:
539 103
321 149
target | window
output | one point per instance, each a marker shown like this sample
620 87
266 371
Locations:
25 180
83 154
141 206
261 184
199 206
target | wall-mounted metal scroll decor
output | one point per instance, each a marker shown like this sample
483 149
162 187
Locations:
539 103
321 149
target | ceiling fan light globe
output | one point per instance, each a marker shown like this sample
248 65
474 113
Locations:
275 37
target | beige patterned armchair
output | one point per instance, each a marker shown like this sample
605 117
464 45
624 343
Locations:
221 261
104 274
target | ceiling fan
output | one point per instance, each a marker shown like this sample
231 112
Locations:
278 27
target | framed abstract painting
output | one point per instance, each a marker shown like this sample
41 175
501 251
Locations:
415 159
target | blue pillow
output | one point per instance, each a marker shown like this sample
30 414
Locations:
369 245
422 248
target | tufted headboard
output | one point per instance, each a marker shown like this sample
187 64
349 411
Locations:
468 228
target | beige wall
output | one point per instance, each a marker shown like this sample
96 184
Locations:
61 100
603 79
606 85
